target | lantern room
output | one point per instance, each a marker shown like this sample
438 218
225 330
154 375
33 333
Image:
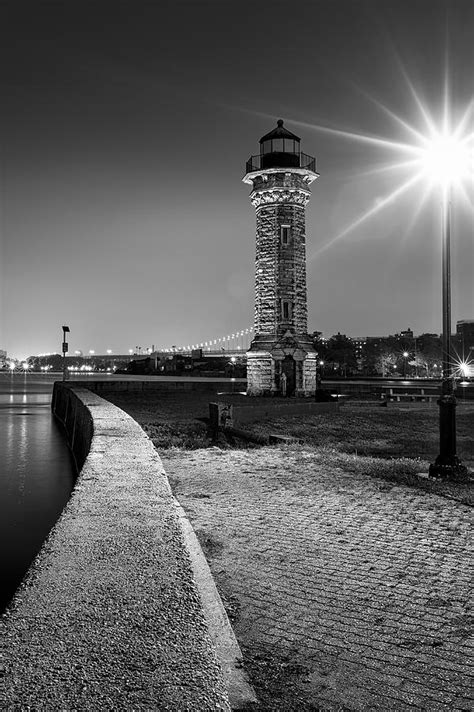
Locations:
280 148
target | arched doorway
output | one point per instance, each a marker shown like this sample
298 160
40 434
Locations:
288 367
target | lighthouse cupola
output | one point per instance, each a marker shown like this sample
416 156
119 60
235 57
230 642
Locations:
280 148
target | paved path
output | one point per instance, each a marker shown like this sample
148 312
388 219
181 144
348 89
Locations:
109 616
360 586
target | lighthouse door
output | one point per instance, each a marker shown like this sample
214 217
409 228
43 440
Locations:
288 367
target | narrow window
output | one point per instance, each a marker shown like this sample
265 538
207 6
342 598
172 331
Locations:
286 310
285 234
278 145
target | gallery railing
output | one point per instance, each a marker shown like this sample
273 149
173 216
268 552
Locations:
280 160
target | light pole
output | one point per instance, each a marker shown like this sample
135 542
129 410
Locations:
65 350
447 465
405 356
319 375
446 158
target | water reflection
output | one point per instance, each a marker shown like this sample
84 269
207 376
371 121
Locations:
22 463
36 477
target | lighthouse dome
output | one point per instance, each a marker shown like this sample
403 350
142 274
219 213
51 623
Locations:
280 148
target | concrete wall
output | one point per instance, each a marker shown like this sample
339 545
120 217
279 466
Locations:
109 615
168 384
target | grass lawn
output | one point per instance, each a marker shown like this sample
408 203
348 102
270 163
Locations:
390 443
381 432
181 420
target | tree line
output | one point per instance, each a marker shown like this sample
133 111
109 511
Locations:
383 356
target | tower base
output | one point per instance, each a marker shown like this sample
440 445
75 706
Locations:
284 366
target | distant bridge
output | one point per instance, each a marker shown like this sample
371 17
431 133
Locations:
233 344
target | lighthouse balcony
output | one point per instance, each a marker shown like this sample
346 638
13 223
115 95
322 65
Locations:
280 160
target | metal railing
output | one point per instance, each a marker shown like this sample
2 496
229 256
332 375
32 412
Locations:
280 160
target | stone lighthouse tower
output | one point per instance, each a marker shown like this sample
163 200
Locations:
281 358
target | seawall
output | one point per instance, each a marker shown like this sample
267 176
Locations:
109 615
167 384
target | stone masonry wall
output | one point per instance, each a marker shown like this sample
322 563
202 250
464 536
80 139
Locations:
309 374
292 269
260 373
266 263
280 270
279 198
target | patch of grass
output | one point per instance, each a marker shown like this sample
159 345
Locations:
391 444
211 546
189 436
401 470
375 431
278 679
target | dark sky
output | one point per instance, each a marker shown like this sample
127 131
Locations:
125 127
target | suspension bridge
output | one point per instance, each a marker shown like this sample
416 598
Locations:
233 344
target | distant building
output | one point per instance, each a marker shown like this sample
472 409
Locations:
359 345
465 333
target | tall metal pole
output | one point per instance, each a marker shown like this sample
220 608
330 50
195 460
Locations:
447 465
447 382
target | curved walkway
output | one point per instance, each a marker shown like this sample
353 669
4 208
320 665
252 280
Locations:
109 615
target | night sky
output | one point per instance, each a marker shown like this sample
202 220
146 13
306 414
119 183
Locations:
125 128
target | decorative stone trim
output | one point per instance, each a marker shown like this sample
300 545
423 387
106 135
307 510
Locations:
280 195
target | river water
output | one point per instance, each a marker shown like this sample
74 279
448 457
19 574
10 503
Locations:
36 473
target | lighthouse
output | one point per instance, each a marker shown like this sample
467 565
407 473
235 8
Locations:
282 358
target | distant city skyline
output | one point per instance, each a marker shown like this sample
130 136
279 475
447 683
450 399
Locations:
125 132
233 343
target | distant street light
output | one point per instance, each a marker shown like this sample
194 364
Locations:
65 350
405 356
319 374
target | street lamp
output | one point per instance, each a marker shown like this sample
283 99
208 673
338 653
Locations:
319 375
448 158
65 350
405 356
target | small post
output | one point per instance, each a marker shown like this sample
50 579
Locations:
221 416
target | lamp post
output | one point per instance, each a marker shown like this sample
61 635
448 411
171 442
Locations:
405 356
447 465
65 350
319 375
